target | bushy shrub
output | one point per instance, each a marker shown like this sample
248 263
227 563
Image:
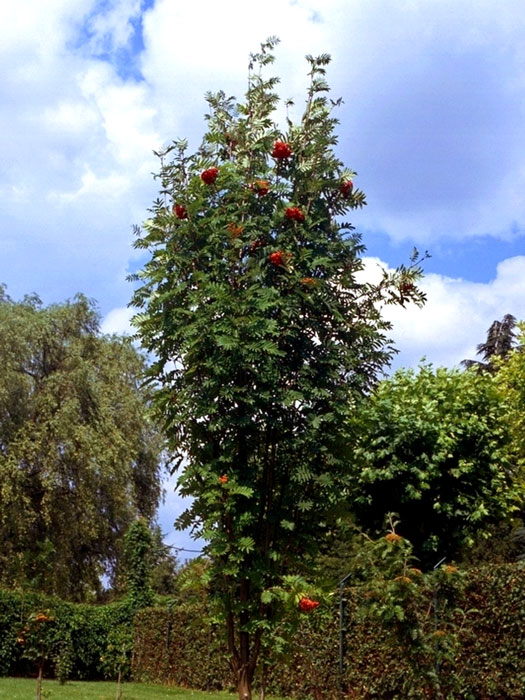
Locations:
79 640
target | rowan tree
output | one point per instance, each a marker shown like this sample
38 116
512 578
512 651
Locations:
79 454
264 335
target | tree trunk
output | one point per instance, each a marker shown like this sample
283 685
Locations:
243 684
119 685
39 681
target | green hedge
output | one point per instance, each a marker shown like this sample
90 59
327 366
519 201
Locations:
176 644
487 658
81 633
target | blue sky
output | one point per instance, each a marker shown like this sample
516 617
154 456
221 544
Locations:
433 122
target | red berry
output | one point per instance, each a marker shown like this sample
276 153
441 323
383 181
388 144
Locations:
281 150
307 605
406 287
277 258
309 281
294 213
346 188
209 176
180 211
260 187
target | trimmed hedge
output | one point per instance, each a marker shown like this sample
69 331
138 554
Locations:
488 658
177 645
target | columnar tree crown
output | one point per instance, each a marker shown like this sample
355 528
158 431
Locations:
264 332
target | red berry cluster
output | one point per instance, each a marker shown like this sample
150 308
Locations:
346 188
223 479
309 281
235 230
209 176
307 605
180 211
277 258
260 187
281 150
294 214
406 287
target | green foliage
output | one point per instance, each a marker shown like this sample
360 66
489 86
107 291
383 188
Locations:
179 645
420 612
510 379
73 641
79 455
116 659
165 567
434 447
138 542
480 655
264 336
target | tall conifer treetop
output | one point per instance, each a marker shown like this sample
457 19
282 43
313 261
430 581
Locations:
264 335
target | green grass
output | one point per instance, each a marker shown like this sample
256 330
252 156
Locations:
25 689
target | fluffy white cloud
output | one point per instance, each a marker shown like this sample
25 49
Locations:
118 321
113 28
456 316
76 150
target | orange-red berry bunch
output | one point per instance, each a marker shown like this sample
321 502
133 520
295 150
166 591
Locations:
294 214
180 211
307 604
209 176
281 150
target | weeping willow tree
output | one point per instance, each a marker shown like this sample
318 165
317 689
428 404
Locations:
79 456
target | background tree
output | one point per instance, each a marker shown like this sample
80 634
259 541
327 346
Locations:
434 447
501 339
511 382
79 457
166 566
138 564
264 339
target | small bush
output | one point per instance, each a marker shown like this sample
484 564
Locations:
79 639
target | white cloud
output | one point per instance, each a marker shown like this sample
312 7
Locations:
76 152
456 316
118 321
192 48
112 28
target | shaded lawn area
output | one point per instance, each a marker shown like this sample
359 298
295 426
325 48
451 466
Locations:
24 688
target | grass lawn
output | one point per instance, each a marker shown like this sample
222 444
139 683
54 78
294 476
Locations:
25 689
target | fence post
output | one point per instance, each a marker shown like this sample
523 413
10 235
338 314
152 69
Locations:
436 620
342 631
